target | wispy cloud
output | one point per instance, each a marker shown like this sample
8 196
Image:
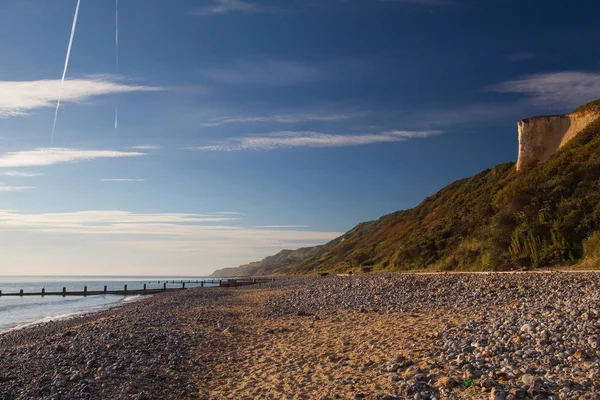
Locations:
285 119
146 147
20 97
287 139
264 72
122 180
223 7
8 188
106 221
51 156
164 232
282 226
557 89
21 174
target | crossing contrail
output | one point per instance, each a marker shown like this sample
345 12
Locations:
117 55
62 81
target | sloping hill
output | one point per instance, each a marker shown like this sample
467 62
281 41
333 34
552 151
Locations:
270 264
497 219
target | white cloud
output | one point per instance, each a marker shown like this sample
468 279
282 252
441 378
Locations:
122 180
106 221
21 174
287 139
557 89
163 232
20 97
285 119
222 7
282 226
8 188
264 72
51 156
146 147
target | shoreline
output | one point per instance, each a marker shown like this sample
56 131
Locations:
376 336
75 314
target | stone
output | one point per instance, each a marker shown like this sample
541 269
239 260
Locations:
446 382
527 379
497 394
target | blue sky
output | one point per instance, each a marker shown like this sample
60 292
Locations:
246 127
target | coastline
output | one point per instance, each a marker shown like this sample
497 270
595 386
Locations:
75 314
392 336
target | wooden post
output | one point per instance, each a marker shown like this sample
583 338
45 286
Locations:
144 287
125 289
201 285
165 286
64 291
220 283
105 289
85 290
0 292
183 285
21 292
43 291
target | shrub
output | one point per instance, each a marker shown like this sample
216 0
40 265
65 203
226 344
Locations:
591 248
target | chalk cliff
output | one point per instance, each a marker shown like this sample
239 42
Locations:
540 137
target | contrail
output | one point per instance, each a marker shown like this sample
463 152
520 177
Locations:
117 55
62 81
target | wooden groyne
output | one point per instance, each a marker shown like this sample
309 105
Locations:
126 291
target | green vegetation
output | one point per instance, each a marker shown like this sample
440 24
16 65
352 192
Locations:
545 215
592 106
591 249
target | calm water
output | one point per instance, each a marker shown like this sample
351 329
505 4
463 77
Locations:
19 312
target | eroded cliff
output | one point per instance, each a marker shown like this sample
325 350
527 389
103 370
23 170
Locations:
540 137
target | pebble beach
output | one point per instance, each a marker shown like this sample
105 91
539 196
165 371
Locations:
371 336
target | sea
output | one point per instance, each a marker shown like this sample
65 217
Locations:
23 312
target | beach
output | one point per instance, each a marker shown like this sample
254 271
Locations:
394 336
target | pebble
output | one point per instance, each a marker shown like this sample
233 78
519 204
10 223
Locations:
520 332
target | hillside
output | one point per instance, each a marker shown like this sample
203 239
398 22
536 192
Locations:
498 219
270 264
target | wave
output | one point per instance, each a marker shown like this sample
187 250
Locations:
69 315
137 297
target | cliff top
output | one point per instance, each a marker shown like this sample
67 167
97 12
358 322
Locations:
592 106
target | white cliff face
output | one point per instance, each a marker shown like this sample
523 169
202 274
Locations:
540 137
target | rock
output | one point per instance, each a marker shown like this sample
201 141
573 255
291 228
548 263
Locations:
528 329
497 394
446 382
470 374
487 383
527 379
